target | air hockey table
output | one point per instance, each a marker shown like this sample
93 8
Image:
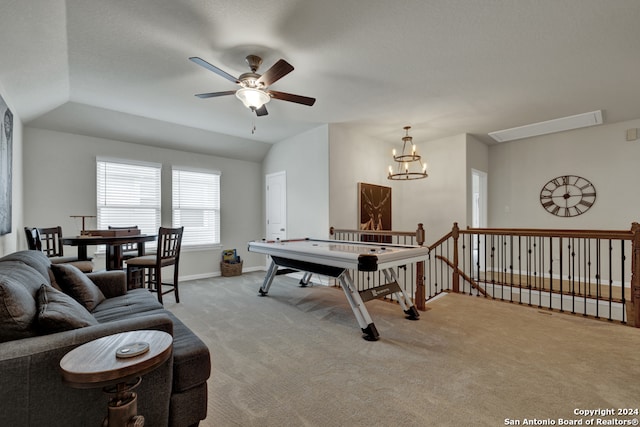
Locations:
336 258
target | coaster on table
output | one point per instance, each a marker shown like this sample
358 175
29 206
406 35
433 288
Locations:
132 350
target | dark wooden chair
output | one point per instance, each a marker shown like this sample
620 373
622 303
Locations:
167 254
33 239
49 241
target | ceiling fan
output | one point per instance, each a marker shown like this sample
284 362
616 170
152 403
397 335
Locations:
254 92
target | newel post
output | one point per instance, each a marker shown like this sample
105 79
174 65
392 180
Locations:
633 306
455 233
421 295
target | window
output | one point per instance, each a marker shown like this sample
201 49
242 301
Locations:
196 206
128 194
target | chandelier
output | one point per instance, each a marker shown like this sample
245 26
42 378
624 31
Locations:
408 163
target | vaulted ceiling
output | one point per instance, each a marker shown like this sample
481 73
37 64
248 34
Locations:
120 69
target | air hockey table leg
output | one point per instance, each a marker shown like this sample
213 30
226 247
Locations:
357 305
403 298
305 279
268 279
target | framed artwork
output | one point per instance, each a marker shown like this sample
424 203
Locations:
6 156
374 210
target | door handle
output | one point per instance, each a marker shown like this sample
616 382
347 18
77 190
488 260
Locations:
282 229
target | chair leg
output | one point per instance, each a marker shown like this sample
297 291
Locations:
149 278
175 282
158 274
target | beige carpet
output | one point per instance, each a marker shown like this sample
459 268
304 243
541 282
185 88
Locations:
296 358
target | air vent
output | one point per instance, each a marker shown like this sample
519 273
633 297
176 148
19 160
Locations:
550 126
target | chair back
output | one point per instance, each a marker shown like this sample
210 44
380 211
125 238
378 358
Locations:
169 242
51 241
33 239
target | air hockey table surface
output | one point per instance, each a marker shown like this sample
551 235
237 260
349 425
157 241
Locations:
362 256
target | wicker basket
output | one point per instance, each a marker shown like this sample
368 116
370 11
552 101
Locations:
229 270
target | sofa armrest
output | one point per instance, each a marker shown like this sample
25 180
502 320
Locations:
68 340
33 392
112 283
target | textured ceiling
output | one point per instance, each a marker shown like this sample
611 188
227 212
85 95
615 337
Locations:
120 69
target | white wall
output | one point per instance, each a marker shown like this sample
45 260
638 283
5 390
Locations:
305 158
478 159
355 158
441 199
519 169
11 242
60 180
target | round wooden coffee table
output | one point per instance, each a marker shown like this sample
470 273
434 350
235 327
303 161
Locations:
95 364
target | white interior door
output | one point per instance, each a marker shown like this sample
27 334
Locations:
479 201
479 217
276 205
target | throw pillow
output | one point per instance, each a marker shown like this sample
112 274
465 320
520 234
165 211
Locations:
59 312
17 310
75 283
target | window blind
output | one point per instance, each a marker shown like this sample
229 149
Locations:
128 194
196 206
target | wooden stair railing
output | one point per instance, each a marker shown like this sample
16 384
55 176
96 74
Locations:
597 271
589 268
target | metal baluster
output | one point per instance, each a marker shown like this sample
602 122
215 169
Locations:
610 279
598 278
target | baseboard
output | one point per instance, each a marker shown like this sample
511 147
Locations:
217 274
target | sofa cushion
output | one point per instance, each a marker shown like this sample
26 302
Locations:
28 277
135 301
59 312
17 310
75 283
34 259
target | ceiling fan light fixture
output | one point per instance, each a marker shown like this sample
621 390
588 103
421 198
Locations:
252 98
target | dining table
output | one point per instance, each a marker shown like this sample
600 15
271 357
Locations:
113 244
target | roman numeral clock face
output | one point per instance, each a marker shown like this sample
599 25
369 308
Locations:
568 196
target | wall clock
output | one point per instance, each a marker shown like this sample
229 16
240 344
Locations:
568 195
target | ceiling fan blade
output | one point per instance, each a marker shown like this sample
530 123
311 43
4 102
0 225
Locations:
262 111
214 94
213 68
275 73
299 99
